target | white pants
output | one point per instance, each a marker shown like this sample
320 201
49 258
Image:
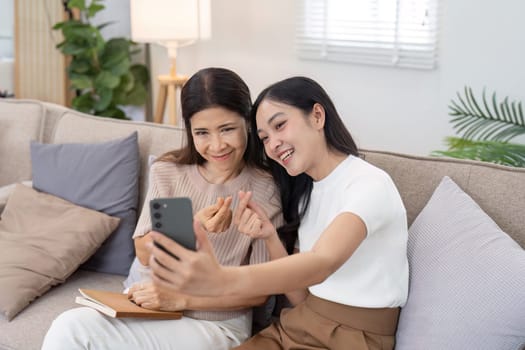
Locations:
86 328
137 273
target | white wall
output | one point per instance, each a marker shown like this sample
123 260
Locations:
116 11
482 44
6 28
6 45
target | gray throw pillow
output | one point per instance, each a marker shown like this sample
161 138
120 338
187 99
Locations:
101 176
467 279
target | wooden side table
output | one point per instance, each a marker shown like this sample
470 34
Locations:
170 87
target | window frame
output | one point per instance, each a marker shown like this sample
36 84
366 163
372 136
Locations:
396 42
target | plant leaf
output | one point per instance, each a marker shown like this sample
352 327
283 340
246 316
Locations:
117 45
94 8
127 81
59 25
81 82
141 74
106 79
104 99
115 51
79 66
83 103
137 96
100 71
475 123
72 49
113 112
79 4
79 32
105 24
504 153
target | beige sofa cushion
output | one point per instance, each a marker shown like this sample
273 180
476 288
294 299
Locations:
499 190
43 239
5 192
28 328
20 123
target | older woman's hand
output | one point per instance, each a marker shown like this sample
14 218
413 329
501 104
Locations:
218 217
151 296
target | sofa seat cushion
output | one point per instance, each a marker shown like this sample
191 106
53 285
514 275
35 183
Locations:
101 176
27 330
43 240
467 280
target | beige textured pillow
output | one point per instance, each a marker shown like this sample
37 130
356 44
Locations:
43 239
5 192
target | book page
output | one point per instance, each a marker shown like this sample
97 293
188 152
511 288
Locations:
118 305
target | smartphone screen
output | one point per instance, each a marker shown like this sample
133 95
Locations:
174 218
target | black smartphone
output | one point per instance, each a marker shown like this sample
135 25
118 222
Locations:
174 218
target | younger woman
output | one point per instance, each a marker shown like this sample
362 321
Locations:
351 273
219 160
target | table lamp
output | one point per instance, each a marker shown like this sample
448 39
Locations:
172 24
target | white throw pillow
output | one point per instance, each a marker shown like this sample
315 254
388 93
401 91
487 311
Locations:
467 279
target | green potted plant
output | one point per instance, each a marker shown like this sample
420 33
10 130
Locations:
101 72
486 129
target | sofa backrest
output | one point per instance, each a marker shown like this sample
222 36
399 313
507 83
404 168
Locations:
154 139
20 122
498 190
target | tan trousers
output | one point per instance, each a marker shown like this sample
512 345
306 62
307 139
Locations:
320 324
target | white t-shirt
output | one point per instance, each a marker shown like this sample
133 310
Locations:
376 275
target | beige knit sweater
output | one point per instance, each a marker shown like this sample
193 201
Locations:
231 247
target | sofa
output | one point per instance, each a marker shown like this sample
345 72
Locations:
499 192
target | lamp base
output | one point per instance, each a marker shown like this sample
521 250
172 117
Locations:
169 88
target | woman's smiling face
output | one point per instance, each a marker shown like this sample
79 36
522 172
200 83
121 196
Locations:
290 137
220 136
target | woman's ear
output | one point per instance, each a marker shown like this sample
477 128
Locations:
319 116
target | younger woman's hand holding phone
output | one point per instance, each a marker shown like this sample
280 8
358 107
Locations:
194 272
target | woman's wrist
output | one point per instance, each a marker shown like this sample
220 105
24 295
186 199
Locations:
141 250
230 280
183 302
272 239
275 246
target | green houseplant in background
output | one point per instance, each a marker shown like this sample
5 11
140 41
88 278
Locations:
100 71
485 130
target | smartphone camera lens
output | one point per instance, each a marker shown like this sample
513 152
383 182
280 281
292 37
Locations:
158 225
157 215
156 205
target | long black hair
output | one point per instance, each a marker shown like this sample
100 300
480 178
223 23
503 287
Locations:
301 93
214 87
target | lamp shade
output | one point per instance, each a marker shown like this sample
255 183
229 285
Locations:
178 22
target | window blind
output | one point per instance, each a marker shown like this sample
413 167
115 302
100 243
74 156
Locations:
401 33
